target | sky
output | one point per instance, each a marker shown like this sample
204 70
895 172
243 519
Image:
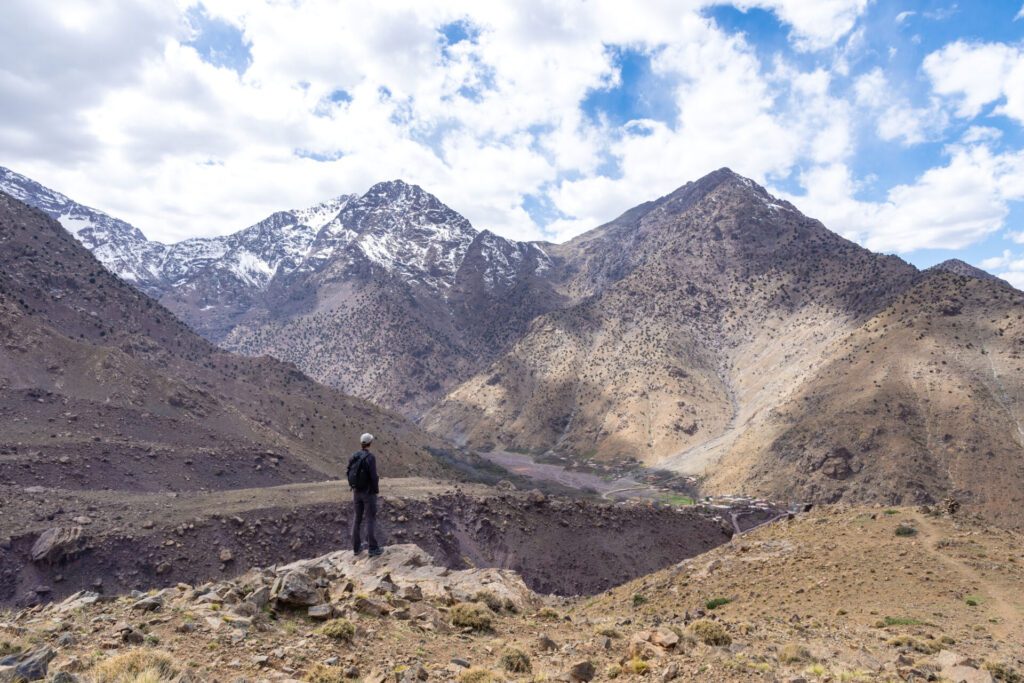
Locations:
898 123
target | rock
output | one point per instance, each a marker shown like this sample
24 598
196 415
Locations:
582 671
149 604
64 677
464 663
416 672
320 612
505 485
960 669
671 672
412 592
148 524
545 644
226 556
58 544
259 597
26 666
368 606
129 634
536 497
664 638
295 588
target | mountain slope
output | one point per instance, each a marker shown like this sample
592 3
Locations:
681 303
926 398
399 299
104 388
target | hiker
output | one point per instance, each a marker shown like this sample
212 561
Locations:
363 480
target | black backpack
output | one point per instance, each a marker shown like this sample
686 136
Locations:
358 472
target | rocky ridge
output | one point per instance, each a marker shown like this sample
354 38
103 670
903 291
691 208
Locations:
788 602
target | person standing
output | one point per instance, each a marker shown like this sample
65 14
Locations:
364 482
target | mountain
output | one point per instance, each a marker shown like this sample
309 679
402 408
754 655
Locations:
103 388
958 267
398 299
716 332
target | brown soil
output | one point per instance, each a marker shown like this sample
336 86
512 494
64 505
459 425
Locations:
137 540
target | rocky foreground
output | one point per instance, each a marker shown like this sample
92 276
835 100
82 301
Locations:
862 594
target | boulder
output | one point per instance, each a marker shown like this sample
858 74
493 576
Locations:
26 666
58 544
582 671
295 588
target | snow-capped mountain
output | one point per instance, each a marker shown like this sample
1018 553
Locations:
297 283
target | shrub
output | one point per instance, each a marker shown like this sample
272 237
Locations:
928 647
321 673
478 675
9 648
609 632
638 666
792 653
900 621
709 632
715 603
338 629
638 600
141 665
1002 672
905 530
492 601
548 614
515 661
474 615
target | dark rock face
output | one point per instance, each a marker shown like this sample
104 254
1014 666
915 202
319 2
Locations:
58 545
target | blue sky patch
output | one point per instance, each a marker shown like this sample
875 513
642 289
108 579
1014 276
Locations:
639 94
217 41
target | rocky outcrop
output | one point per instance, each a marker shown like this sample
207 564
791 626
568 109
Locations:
59 544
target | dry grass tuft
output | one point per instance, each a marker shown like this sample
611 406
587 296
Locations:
141 665
709 632
474 615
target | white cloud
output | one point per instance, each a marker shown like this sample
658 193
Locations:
903 16
977 74
816 23
947 207
1008 266
1020 14
895 118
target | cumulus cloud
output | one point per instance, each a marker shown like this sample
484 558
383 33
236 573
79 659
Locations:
132 108
895 117
947 207
976 74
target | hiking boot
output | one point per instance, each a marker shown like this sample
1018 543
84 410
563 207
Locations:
375 552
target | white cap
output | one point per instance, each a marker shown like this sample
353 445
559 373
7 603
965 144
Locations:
366 439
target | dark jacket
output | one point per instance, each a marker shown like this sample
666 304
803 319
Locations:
371 464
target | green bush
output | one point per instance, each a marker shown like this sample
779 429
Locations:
715 603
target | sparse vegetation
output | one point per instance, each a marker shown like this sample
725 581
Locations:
1004 672
715 603
338 629
472 615
479 675
899 621
906 530
639 599
709 632
548 614
140 665
322 673
928 647
791 653
515 661
9 648
638 667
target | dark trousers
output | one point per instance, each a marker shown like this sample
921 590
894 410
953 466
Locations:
365 504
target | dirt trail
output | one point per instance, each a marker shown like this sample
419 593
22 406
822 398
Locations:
1004 600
